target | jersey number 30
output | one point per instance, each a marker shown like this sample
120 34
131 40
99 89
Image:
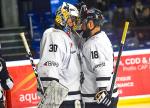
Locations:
53 47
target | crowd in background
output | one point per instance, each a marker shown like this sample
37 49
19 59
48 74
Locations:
35 16
116 12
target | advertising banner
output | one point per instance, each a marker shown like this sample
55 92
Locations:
134 75
24 92
133 79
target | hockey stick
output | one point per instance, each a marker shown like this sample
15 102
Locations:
119 56
55 92
31 61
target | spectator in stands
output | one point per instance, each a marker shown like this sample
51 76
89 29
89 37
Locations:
118 18
103 5
137 12
132 41
141 37
90 3
137 39
145 19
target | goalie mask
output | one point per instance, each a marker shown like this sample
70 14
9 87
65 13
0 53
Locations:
65 12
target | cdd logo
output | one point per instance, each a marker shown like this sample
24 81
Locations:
131 61
28 97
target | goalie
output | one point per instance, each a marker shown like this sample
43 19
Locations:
59 56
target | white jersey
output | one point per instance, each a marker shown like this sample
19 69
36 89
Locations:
97 65
59 60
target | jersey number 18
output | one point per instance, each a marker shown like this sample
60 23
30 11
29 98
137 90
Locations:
94 54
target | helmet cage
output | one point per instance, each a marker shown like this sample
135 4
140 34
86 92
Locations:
64 12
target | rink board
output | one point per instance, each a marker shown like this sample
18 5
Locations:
133 80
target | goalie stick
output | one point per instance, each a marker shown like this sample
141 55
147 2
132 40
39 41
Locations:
119 56
31 61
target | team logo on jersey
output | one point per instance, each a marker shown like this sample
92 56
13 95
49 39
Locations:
51 63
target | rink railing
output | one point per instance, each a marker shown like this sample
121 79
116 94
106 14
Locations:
133 80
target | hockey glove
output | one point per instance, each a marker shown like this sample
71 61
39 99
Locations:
103 97
3 69
7 84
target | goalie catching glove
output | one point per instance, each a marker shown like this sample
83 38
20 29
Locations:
103 97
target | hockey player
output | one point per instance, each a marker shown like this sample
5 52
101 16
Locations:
97 64
6 82
59 55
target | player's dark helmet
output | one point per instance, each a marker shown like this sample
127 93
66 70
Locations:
95 15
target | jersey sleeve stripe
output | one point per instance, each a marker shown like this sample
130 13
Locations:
48 79
102 78
74 93
88 95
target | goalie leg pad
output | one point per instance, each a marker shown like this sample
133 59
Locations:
54 95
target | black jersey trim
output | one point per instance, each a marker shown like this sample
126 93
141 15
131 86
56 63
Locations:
74 93
88 95
48 79
102 78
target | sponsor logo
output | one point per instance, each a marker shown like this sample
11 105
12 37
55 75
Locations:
51 63
73 52
30 97
99 65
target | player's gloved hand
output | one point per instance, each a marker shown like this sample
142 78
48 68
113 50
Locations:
3 69
103 97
